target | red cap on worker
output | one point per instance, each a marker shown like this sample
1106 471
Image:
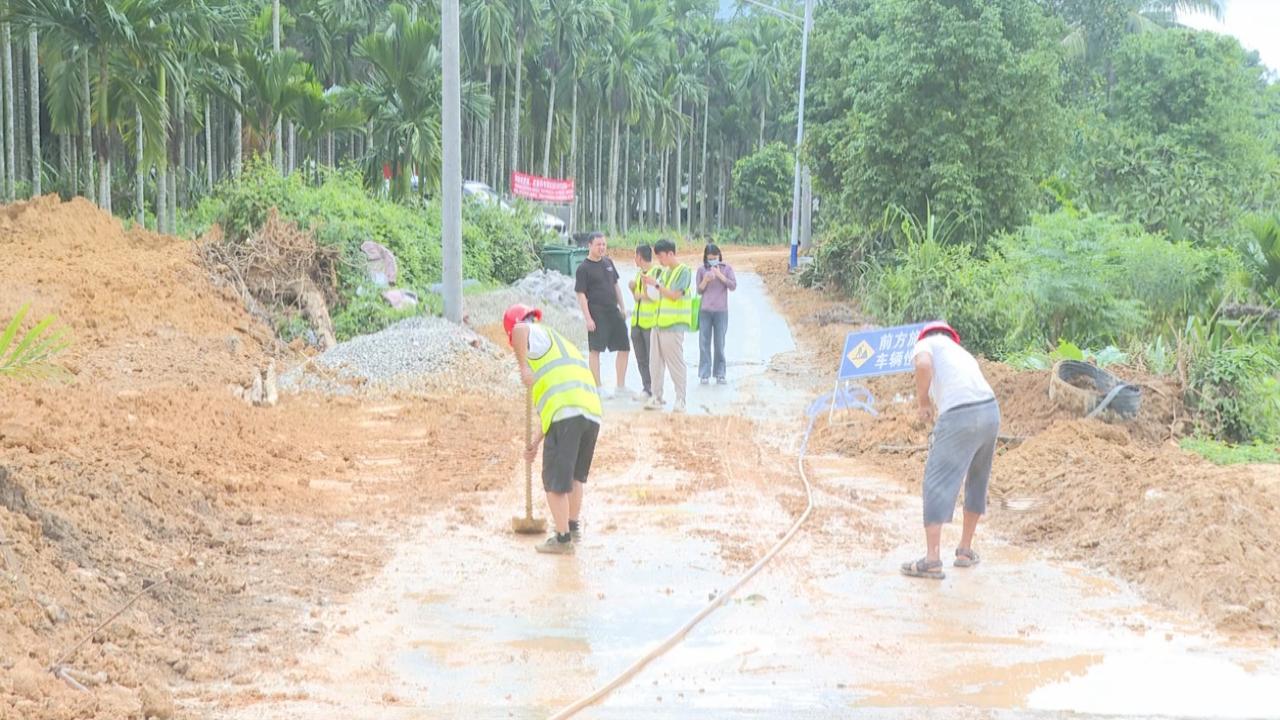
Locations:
936 327
518 314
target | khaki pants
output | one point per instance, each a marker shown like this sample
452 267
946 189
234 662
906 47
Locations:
666 354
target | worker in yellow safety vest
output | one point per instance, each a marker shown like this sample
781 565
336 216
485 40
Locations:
675 315
644 317
568 405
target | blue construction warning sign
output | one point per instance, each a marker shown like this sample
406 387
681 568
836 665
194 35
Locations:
886 351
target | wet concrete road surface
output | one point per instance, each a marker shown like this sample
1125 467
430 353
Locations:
466 621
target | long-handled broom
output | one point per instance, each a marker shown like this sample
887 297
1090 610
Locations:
528 525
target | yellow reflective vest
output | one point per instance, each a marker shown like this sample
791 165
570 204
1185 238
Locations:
562 379
676 312
646 311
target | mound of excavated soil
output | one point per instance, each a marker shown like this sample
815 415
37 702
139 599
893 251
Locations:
145 467
139 306
1200 537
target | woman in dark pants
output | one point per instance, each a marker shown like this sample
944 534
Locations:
715 281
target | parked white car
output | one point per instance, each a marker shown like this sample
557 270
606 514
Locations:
484 193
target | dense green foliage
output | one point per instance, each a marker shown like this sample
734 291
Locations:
498 245
763 181
1075 174
954 103
144 106
1180 148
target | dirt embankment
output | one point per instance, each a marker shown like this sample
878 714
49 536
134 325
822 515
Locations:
146 469
1121 497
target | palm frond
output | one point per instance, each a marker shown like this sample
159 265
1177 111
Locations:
32 358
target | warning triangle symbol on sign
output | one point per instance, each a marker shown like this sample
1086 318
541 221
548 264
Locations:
860 354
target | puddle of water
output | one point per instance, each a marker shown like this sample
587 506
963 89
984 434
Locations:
553 644
980 686
1169 684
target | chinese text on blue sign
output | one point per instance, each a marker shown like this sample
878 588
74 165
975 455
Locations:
886 351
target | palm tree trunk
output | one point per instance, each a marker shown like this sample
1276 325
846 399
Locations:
37 165
599 183
86 128
484 171
293 147
208 143
21 168
664 190
693 137
237 140
500 147
761 145
10 179
613 177
720 209
515 101
644 181
679 162
626 182
275 46
551 118
139 172
180 139
573 156
104 134
706 189
173 201
162 168
73 164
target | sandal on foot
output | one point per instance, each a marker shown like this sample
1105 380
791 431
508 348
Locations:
966 558
922 568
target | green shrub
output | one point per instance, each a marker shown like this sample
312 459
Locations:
928 281
1094 280
1236 394
499 244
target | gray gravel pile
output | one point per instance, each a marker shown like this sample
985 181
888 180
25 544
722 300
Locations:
552 288
418 355
487 308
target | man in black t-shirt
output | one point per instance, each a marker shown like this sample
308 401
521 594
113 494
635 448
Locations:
600 297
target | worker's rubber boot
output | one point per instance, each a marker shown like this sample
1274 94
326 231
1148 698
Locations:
555 547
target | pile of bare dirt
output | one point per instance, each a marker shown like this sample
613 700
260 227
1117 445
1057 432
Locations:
139 307
1199 537
145 471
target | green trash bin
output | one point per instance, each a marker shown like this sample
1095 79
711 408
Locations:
564 259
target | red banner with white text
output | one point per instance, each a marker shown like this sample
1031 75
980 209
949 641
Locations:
540 189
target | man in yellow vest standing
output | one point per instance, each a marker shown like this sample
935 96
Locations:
644 317
565 397
675 314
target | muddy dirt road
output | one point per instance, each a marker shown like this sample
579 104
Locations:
465 620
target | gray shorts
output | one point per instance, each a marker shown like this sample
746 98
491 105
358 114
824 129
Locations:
964 443
567 452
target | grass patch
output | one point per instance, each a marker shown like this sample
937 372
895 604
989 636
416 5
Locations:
1220 453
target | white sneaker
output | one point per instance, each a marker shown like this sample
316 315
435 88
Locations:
641 396
653 404
679 408
606 394
621 391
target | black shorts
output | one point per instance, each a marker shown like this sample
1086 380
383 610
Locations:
567 452
611 333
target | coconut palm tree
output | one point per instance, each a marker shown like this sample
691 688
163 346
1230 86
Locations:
403 100
628 66
570 24
759 57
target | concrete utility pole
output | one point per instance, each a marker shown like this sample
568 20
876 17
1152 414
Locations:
795 195
451 176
